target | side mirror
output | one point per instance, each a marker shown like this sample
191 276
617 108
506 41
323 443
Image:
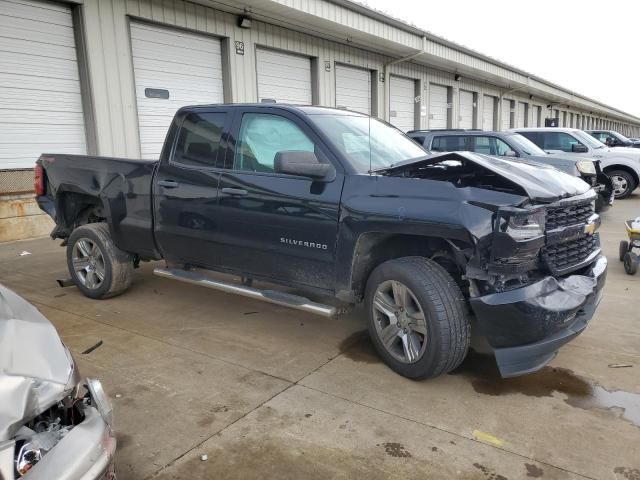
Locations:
579 148
303 164
510 153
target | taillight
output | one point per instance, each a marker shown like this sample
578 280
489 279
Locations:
38 181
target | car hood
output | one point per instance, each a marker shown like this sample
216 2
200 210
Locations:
541 183
36 369
569 158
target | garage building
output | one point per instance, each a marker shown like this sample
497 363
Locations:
105 77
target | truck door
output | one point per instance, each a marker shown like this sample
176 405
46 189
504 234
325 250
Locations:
272 224
186 188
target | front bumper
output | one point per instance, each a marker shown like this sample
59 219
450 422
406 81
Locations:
85 453
526 326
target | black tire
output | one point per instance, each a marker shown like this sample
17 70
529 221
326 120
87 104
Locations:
622 177
116 266
623 249
630 263
445 314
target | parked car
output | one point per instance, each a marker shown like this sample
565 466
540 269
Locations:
613 139
515 147
621 164
49 428
342 205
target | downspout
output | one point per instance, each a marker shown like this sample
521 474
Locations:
387 74
502 100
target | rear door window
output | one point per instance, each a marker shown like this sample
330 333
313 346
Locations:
451 143
199 140
559 141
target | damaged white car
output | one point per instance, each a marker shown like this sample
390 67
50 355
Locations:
53 424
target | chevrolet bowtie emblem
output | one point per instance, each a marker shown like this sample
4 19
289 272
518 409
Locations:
590 228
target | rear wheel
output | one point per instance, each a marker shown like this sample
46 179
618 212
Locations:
630 263
623 183
623 249
417 317
98 268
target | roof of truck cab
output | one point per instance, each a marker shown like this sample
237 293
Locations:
454 132
544 129
306 109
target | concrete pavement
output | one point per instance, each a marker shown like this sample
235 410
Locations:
268 392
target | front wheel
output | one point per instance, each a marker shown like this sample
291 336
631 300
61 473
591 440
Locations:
623 183
623 249
97 266
417 317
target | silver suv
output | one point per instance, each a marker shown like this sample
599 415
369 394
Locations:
622 164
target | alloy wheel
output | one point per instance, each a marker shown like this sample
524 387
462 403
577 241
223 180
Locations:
620 185
399 321
88 263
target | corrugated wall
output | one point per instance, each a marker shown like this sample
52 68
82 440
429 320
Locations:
107 38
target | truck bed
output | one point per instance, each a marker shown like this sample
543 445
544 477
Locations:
123 186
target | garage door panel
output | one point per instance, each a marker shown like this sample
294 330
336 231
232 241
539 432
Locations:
466 109
37 66
186 64
283 77
438 111
353 88
48 13
402 102
40 98
25 29
488 113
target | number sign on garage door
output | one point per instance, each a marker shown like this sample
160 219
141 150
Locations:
402 104
438 107
488 113
172 68
283 77
353 89
40 101
466 109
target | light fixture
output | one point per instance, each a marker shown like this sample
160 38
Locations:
244 22
530 97
456 77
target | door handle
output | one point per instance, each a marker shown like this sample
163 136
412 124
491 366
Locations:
238 192
168 183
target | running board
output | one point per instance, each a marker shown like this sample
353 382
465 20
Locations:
271 296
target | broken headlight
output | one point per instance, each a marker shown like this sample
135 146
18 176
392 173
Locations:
586 167
518 235
525 226
100 400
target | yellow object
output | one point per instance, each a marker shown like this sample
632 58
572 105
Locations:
487 438
634 233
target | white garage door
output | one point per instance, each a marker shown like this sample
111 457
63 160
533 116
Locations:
185 66
402 105
506 114
537 116
438 111
466 109
488 113
522 113
40 102
353 89
283 77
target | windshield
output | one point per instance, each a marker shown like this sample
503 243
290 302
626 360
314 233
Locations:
367 143
620 137
526 145
588 139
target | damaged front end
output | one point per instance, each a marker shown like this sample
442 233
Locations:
52 423
538 280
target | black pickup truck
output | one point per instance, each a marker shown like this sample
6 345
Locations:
343 206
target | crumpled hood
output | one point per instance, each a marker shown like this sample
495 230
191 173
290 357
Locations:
36 369
541 182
